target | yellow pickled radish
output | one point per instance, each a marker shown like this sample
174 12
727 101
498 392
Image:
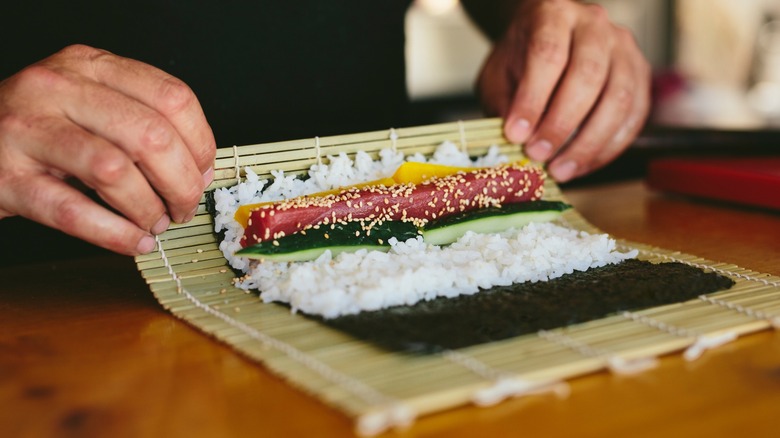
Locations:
416 173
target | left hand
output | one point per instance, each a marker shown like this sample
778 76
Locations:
571 85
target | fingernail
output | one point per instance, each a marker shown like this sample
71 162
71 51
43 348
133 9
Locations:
208 177
145 245
564 171
519 130
539 150
161 225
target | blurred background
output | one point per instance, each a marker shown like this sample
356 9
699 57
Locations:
716 62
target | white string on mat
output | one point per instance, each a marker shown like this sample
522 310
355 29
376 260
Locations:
386 412
615 363
236 165
393 140
773 319
463 144
505 385
702 342
317 149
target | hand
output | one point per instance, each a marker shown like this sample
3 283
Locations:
131 132
571 85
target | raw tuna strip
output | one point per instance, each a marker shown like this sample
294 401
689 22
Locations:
408 172
435 198
242 214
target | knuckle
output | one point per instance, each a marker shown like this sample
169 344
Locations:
625 35
591 70
554 8
174 96
185 196
11 124
558 131
109 167
597 11
38 77
156 136
67 214
206 155
624 98
584 148
544 46
80 51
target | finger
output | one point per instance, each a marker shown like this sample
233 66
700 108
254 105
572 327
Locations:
103 167
545 57
580 87
638 113
610 114
495 83
617 119
52 202
144 135
162 92
628 131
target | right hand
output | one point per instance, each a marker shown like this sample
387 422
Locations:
571 85
131 132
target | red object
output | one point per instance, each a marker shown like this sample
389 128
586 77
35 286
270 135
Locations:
436 198
752 181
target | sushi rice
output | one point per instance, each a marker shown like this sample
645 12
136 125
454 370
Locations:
412 270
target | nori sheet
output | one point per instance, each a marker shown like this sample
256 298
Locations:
505 312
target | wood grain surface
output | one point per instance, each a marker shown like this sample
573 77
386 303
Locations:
85 354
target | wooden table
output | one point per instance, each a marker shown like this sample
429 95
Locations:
85 354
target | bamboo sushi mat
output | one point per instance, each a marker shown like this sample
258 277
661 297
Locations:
382 389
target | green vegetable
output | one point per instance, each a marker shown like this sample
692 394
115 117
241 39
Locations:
491 220
351 236
338 237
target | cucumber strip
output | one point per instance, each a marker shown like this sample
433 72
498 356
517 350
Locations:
305 255
491 220
338 237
